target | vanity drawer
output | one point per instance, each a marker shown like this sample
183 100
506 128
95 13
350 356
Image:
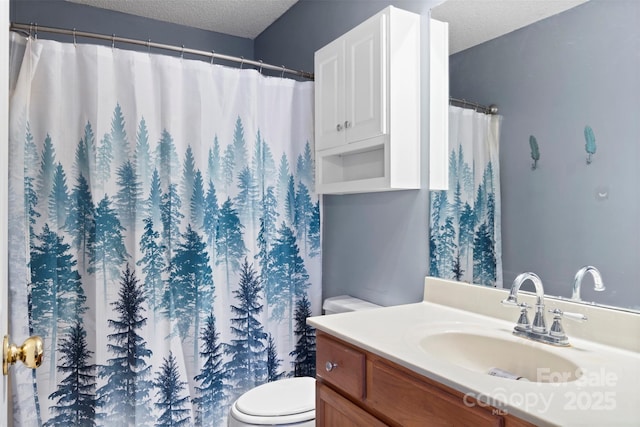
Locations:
340 365
405 400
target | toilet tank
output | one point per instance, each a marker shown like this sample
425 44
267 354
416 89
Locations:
346 303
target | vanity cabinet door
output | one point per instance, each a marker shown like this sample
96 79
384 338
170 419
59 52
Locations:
333 410
405 400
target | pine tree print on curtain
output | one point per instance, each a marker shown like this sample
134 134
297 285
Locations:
464 236
75 396
304 354
172 399
124 398
210 393
248 362
168 225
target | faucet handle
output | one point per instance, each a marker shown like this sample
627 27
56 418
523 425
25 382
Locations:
511 301
557 331
523 321
578 317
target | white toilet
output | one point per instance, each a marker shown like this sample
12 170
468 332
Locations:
292 401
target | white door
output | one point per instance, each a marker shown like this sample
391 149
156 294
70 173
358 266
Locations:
365 72
4 151
329 95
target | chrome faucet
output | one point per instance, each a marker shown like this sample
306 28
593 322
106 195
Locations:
598 285
539 325
538 330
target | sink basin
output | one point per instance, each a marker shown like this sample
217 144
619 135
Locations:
479 352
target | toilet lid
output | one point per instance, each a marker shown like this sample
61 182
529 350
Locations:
279 398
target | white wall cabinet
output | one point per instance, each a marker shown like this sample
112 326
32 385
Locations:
350 86
367 106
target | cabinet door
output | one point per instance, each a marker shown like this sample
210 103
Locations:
365 73
407 401
329 95
334 410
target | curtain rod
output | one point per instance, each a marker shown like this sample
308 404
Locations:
491 109
33 29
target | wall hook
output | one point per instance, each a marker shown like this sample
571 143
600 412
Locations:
590 143
535 151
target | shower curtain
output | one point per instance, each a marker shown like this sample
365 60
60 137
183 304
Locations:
164 234
464 231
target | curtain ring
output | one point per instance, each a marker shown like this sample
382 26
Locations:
113 40
241 62
30 29
35 34
260 70
74 37
213 54
282 74
149 46
182 53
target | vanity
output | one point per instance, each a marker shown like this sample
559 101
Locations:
364 389
427 364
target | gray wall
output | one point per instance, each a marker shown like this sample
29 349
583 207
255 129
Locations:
374 245
581 67
63 14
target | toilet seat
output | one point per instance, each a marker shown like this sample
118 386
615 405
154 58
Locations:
287 401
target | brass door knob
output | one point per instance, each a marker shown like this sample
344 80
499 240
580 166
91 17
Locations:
30 353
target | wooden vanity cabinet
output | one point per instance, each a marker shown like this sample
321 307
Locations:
360 389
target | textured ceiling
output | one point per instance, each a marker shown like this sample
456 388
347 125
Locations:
242 18
472 22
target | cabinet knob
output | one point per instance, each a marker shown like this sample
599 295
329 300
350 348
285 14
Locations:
330 366
338 127
347 124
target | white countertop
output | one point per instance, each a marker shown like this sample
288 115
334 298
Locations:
607 394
